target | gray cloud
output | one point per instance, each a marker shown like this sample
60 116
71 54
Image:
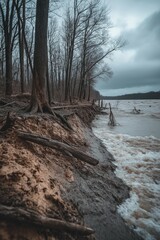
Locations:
145 38
143 69
136 75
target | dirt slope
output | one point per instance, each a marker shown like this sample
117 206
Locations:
57 185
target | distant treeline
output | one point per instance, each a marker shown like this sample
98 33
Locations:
148 95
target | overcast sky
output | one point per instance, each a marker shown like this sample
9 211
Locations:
136 68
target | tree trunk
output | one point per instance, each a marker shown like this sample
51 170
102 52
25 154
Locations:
39 100
7 16
8 67
21 26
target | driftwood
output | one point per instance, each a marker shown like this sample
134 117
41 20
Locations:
102 103
64 148
112 121
136 111
32 217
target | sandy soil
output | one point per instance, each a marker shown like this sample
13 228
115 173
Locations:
60 186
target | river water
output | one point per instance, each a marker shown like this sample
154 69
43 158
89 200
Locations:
135 144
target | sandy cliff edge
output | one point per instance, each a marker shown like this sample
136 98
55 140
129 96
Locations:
53 184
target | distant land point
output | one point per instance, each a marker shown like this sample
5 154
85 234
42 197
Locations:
148 95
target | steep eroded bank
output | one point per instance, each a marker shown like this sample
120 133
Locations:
53 184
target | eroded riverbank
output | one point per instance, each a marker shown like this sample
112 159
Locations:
55 184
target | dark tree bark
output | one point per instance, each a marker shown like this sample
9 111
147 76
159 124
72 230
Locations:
2 57
72 32
39 100
20 8
24 49
7 15
8 53
21 26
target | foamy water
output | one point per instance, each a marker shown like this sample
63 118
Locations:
135 145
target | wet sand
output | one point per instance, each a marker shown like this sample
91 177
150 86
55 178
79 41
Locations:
97 192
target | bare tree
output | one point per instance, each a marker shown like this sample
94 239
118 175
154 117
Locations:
72 32
51 50
95 47
56 61
87 45
21 32
25 13
2 60
39 100
76 57
7 12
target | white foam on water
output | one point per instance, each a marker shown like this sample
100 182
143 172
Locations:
138 164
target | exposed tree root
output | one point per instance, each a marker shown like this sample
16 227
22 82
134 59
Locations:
8 123
58 146
36 107
63 120
32 217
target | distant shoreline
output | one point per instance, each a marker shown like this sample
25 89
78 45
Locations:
134 96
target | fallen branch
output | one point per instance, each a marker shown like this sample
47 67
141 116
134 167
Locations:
58 146
32 217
